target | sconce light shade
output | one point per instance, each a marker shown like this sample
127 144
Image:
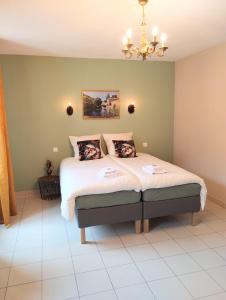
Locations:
70 110
131 108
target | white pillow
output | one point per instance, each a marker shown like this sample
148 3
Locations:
75 139
109 137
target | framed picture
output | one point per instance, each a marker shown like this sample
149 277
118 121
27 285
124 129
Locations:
101 104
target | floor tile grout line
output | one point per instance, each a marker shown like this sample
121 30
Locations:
185 252
96 293
72 261
214 249
35 280
203 270
102 269
21 217
126 264
205 297
192 234
62 276
178 276
74 274
215 279
14 248
175 275
173 238
107 269
41 280
146 282
179 279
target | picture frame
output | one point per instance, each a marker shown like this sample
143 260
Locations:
101 104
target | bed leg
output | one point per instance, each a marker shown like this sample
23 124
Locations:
138 226
83 235
195 219
146 225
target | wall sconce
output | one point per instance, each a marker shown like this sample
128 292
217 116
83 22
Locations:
131 108
69 109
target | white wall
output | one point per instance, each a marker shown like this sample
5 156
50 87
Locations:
200 117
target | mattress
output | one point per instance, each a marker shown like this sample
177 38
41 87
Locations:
172 176
106 200
173 192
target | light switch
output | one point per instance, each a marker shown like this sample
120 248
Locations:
55 149
145 144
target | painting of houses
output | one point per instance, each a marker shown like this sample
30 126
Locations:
101 104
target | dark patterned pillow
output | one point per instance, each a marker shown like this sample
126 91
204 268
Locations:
125 149
89 150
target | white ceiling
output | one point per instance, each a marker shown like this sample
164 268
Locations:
94 28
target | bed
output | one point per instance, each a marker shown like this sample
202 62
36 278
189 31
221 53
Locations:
95 199
133 194
172 192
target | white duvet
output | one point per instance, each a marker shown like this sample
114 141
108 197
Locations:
79 178
173 176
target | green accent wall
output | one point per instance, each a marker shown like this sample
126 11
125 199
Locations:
38 89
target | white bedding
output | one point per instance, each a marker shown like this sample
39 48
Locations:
174 175
79 178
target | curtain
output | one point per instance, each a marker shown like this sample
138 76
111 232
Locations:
7 195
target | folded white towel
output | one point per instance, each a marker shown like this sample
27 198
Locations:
148 169
108 172
153 169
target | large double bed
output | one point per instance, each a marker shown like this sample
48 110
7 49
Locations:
132 195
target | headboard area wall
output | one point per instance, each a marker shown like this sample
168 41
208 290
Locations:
38 89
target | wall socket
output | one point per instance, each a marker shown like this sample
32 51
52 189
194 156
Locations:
145 144
55 149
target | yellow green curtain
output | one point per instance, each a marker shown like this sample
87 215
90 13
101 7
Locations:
7 194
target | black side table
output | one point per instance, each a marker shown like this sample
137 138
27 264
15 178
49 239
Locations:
49 187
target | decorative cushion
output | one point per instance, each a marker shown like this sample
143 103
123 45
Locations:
125 149
89 150
109 137
75 139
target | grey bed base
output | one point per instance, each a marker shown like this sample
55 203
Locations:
154 209
109 215
143 210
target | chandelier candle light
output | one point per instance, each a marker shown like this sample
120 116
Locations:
146 48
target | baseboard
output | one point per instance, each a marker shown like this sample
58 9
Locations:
217 201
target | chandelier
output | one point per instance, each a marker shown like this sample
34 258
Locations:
146 48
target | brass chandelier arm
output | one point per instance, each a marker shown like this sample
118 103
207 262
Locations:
161 51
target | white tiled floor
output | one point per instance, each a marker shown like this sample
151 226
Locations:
93 282
41 257
200 284
161 287
135 292
67 288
